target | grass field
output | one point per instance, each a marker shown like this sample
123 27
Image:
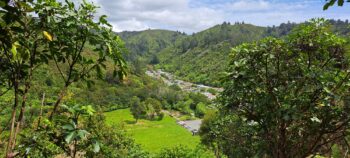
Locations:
154 135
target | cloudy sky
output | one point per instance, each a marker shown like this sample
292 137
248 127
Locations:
196 15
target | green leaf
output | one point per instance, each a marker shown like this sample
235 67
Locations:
70 137
340 2
69 127
315 119
82 133
327 90
329 4
103 19
109 48
96 147
89 110
14 50
64 106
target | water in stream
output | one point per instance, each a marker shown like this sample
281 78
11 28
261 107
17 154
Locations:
170 79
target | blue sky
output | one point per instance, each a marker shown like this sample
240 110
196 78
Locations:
196 15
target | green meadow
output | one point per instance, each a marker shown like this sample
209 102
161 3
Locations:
153 135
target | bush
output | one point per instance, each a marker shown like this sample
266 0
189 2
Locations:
149 109
212 91
185 152
185 109
291 93
176 152
201 109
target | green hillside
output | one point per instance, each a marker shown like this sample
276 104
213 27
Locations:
147 43
72 87
202 57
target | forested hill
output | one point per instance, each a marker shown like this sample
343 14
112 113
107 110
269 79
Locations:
147 43
203 56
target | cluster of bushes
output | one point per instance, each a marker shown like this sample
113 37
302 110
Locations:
149 109
190 104
185 152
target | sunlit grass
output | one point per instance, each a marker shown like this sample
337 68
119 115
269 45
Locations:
154 135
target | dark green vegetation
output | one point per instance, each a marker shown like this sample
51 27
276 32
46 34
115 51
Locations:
47 73
148 43
332 2
201 57
30 44
149 109
284 97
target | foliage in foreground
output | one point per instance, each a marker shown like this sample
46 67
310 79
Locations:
332 2
78 131
29 42
284 98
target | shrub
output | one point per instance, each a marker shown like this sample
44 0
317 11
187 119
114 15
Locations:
201 109
285 97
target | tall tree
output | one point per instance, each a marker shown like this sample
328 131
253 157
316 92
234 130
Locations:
289 98
27 42
67 49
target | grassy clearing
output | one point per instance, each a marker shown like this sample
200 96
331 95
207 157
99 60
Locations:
154 135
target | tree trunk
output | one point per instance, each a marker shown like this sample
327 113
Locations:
20 118
13 119
23 107
31 112
58 101
282 151
75 149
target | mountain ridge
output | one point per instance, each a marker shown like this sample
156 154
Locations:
202 57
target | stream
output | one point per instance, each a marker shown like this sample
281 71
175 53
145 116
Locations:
170 80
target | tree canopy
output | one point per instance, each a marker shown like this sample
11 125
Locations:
31 36
285 98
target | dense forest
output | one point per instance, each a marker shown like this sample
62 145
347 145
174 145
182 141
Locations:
71 87
202 57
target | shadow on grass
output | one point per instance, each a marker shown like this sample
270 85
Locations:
134 121
130 122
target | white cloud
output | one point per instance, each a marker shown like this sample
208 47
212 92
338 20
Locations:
249 5
141 14
131 24
196 15
272 12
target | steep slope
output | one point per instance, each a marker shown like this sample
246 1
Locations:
203 56
147 43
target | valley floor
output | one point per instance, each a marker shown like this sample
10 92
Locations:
170 80
153 135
